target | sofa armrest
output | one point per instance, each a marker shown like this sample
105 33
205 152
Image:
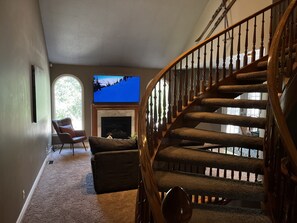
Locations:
115 170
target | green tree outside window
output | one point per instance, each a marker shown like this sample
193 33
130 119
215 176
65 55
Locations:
68 100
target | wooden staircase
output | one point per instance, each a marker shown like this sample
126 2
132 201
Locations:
220 176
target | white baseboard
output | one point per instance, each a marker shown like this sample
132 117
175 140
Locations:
27 202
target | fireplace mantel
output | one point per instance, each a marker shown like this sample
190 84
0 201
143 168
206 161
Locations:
107 108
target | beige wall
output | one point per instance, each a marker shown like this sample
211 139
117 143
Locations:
22 143
240 10
85 74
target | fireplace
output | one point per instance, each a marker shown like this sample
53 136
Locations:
116 127
119 112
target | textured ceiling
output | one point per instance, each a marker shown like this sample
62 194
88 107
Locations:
132 33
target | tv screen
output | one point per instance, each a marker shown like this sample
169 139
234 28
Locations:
116 89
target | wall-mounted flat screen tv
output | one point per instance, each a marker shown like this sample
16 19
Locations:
116 89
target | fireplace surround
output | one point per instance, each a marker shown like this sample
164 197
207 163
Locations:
110 111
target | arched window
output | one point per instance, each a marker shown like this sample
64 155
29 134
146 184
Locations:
68 99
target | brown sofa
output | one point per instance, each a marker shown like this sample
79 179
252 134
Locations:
115 164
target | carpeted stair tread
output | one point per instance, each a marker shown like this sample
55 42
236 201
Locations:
221 138
262 64
198 184
210 159
190 143
255 75
211 117
241 103
243 88
204 213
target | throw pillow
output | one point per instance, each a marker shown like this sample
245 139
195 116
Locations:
68 129
99 144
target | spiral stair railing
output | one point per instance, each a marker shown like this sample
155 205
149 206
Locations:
281 151
192 74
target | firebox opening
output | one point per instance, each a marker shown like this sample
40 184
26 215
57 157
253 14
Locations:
116 127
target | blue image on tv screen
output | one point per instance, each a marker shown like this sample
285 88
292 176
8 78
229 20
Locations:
111 89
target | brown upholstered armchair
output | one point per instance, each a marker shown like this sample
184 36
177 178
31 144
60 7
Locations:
67 134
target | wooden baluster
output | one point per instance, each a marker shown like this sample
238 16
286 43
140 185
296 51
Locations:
238 48
245 60
231 53
279 12
218 169
196 197
224 56
254 40
290 45
248 173
186 96
204 70
159 98
147 114
198 89
262 36
150 125
202 199
155 107
294 19
180 101
210 171
282 64
270 27
256 174
174 109
225 170
240 172
192 78
218 61
164 103
151 115
210 66
169 114
232 171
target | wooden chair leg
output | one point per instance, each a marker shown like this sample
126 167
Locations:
61 148
84 145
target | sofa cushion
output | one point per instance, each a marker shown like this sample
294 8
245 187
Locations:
99 144
68 129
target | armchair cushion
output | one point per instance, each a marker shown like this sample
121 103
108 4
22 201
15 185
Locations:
99 144
68 129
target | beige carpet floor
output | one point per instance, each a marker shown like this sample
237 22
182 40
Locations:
65 194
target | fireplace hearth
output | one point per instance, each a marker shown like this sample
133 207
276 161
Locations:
116 127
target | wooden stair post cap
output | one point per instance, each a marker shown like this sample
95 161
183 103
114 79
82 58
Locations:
176 206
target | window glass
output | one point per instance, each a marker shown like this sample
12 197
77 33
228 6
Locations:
233 111
68 100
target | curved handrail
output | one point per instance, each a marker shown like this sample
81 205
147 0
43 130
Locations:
273 69
281 152
192 78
